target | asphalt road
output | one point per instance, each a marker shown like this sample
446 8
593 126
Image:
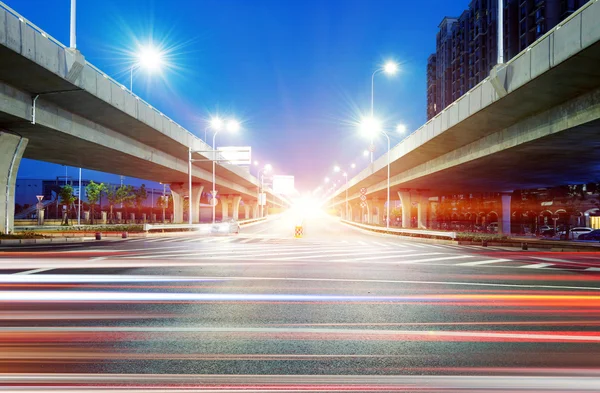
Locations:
337 301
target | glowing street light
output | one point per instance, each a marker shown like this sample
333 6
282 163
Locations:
215 123
149 58
232 126
389 68
400 128
370 127
267 168
327 180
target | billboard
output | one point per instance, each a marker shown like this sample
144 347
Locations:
236 155
283 185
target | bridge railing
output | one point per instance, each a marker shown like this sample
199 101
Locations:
41 32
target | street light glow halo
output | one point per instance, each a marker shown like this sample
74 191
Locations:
390 67
233 125
216 123
370 126
401 128
150 58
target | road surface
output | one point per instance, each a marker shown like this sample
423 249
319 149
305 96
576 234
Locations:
338 301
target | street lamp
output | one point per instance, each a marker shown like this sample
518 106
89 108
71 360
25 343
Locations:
268 168
390 68
371 127
231 126
148 57
345 174
216 123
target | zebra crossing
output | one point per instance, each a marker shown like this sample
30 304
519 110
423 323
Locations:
288 250
241 239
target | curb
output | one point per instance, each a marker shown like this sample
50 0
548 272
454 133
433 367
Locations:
54 240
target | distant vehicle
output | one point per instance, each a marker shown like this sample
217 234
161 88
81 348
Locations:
593 235
548 232
574 233
493 227
227 226
545 228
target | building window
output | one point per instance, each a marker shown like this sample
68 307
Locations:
539 29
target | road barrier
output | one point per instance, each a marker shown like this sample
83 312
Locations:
197 227
402 231
298 232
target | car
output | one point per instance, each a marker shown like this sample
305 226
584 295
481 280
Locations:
493 227
226 227
593 235
545 228
574 233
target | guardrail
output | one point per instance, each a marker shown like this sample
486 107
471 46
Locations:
401 231
199 227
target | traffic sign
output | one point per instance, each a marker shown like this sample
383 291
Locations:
363 191
363 204
213 201
363 198
39 197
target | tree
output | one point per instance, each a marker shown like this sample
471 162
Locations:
125 196
111 195
140 195
162 203
93 191
66 198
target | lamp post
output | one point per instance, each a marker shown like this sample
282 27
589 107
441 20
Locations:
232 126
345 174
389 68
261 174
149 58
372 126
73 27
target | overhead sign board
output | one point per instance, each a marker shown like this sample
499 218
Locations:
283 185
236 155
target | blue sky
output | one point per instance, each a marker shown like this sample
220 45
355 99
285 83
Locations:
295 72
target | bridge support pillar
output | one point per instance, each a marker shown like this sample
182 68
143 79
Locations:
255 210
178 192
235 202
378 215
423 211
224 203
246 211
11 151
367 213
504 214
406 201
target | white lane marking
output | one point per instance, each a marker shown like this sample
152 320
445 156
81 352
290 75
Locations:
35 271
593 269
320 254
160 239
551 259
394 256
536 266
260 252
361 242
305 330
380 244
247 240
476 263
396 244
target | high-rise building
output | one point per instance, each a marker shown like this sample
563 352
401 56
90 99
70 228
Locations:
467 46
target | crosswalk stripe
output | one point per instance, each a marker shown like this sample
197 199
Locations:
394 256
325 255
536 266
381 244
476 263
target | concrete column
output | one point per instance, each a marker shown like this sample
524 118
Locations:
143 218
406 201
255 210
224 202
423 211
119 217
86 217
11 151
246 211
40 216
132 218
235 202
153 217
181 190
349 215
504 214
378 212
368 211
104 218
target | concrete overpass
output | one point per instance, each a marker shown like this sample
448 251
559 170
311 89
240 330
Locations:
534 122
57 107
